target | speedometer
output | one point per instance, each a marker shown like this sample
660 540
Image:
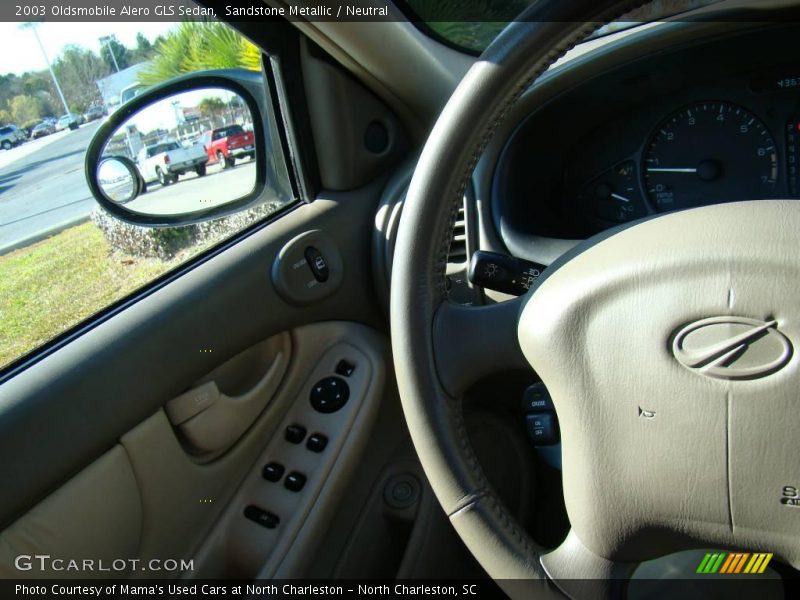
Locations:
707 153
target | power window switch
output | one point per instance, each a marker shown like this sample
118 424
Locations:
542 428
295 434
262 517
345 368
273 471
294 481
316 442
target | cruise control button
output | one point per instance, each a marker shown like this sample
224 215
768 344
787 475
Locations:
536 399
542 428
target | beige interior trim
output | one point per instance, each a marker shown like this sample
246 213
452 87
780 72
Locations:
96 516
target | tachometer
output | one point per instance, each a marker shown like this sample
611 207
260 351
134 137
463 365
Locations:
707 153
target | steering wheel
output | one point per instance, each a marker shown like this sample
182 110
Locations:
667 347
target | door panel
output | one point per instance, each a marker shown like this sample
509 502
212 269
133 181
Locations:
97 515
83 397
148 498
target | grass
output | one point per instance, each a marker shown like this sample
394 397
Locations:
48 287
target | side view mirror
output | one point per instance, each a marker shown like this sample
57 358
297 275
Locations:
118 179
147 166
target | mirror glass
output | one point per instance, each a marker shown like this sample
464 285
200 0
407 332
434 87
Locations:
193 151
117 180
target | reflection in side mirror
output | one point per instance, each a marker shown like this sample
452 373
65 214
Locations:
192 151
118 180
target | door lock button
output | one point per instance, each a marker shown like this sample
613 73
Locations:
295 434
294 481
317 264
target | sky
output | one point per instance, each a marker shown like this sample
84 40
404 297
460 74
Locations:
162 114
19 51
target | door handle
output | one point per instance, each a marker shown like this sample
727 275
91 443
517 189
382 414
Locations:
210 421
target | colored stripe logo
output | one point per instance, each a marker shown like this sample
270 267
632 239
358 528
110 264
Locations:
734 563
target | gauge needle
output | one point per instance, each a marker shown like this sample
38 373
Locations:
618 197
668 170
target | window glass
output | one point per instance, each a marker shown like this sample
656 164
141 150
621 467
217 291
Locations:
62 257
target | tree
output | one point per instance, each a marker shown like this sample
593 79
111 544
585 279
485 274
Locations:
26 108
78 70
212 107
121 54
143 49
142 43
198 45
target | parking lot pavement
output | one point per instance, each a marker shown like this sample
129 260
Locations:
43 187
193 193
9 156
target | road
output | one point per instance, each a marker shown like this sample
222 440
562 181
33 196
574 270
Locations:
44 188
194 193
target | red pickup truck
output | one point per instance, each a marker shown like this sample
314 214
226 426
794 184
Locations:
226 144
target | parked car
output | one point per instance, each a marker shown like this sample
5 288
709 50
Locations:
166 161
226 144
10 136
69 121
42 129
130 92
94 113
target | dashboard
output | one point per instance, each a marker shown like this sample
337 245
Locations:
715 118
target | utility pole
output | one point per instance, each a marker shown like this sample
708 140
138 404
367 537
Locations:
106 39
34 27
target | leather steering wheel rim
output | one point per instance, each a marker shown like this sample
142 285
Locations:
520 54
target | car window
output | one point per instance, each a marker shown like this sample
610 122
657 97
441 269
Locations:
229 131
63 258
160 148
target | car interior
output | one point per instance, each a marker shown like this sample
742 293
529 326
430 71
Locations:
525 317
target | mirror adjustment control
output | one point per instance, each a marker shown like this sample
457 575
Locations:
503 273
273 471
317 264
262 517
294 481
329 395
295 434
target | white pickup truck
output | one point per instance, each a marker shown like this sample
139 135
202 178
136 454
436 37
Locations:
166 161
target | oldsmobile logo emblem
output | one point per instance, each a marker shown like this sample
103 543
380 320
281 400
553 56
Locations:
732 347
